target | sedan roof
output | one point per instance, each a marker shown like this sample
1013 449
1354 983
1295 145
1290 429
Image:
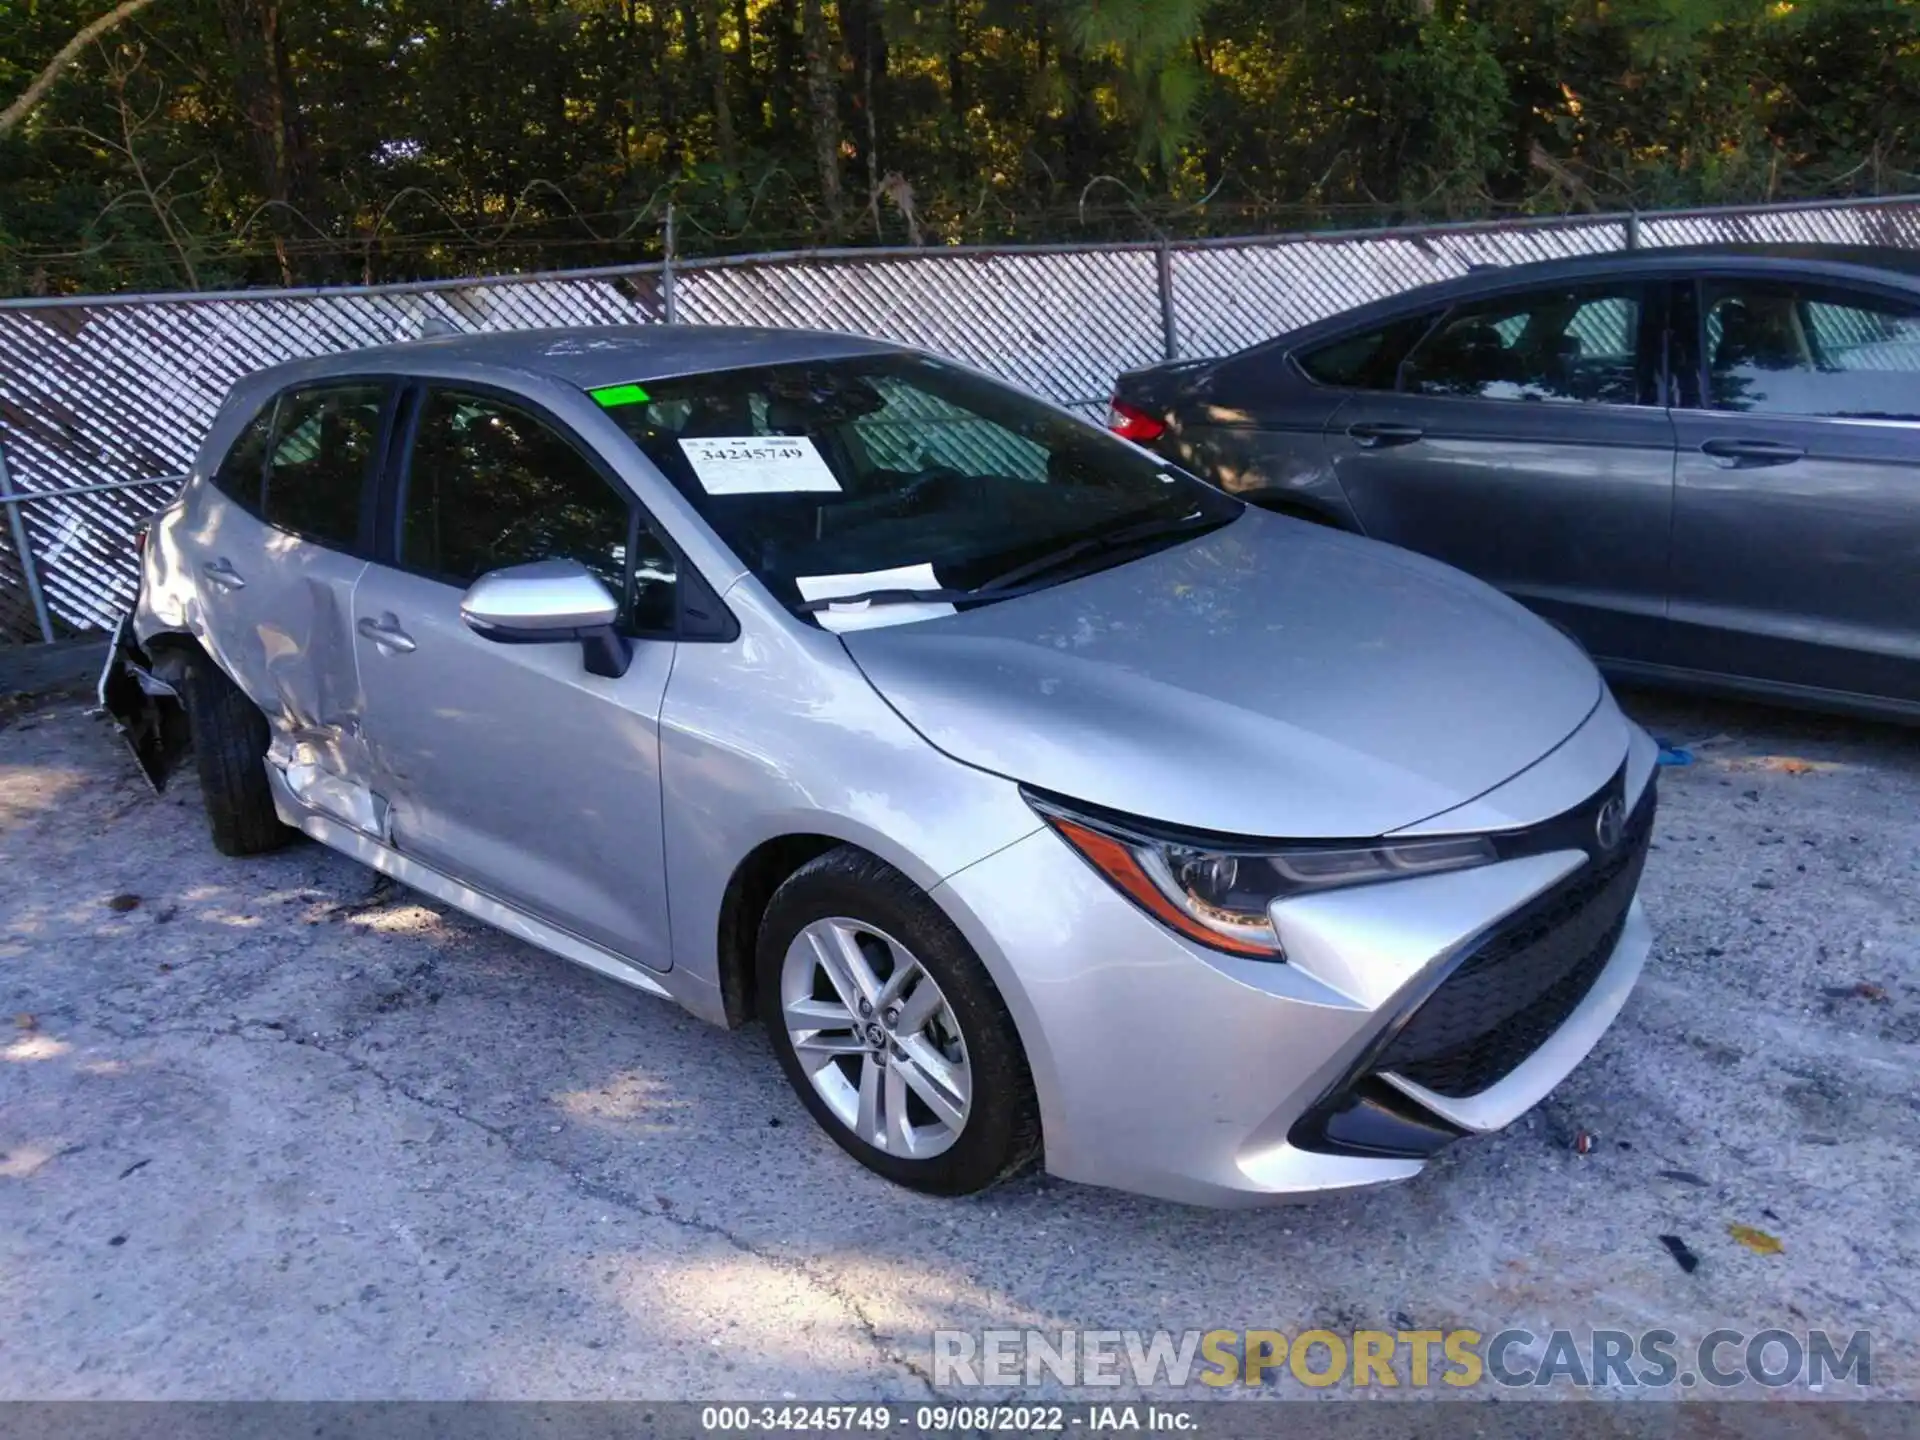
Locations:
1833 262
1896 263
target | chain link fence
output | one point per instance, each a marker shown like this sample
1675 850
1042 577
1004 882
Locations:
103 401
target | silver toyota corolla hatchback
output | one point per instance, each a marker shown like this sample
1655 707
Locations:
1042 800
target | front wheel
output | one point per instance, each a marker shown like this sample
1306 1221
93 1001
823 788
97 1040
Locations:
890 1030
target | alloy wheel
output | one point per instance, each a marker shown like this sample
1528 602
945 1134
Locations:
876 1037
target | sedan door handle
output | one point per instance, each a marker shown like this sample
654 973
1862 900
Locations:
222 574
1379 436
1744 454
387 634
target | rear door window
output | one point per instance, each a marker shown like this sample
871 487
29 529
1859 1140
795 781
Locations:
324 451
1566 345
1783 349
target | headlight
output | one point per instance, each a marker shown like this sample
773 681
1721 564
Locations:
1218 892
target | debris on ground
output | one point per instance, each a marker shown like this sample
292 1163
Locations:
1675 754
1758 1241
1685 1177
123 903
378 894
1781 764
1859 990
24 1021
1682 1255
1582 1143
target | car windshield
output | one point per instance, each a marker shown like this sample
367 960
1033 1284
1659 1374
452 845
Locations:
897 472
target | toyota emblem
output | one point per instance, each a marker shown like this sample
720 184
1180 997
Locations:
1611 823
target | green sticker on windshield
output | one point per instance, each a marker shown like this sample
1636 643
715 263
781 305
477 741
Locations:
612 395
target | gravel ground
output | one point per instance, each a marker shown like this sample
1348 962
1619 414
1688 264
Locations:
270 1129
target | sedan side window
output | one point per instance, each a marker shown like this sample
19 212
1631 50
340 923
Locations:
490 485
1564 345
1799 350
326 441
1369 360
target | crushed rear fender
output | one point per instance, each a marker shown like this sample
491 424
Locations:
139 694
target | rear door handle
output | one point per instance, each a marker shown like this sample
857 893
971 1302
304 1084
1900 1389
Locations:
387 634
222 574
1380 436
1744 454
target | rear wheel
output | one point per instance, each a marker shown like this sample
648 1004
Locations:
230 752
890 1030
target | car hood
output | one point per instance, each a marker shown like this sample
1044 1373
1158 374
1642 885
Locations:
1272 679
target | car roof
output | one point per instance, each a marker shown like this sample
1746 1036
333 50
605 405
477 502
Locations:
1882 263
588 356
1754 256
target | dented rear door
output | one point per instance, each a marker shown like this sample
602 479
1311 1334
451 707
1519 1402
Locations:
276 570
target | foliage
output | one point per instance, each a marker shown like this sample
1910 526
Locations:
228 142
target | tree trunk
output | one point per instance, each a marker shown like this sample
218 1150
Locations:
866 46
823 104
264 88
781 104
715 64
744 79
956 64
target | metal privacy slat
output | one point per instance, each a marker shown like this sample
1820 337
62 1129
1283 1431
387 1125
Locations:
120 389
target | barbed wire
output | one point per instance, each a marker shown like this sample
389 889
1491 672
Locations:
522 234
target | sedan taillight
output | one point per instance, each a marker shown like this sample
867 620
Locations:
1132 423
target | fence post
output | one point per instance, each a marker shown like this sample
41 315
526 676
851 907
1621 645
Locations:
667 300
29 572
1633 230
1169 340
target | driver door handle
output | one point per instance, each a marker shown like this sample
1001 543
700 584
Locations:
387 634
1743 454
221 572
1379 436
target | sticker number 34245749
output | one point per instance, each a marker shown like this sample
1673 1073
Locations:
757 464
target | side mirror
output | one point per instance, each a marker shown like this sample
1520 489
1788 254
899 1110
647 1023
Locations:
547 602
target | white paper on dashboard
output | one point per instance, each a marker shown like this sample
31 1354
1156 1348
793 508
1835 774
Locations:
757 464
872 617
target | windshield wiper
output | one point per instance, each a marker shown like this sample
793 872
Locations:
1009 585
885 597
1093 544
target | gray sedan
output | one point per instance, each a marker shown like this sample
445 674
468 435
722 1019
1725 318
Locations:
1703 463
1041 800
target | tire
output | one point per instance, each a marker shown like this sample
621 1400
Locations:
1000 1133
230 752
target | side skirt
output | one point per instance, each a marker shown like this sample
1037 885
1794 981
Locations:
424 878
1764 692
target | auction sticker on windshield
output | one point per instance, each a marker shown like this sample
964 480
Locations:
862 615
757 464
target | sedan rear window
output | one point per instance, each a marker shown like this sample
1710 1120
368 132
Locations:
888 464
1794 350
1575 345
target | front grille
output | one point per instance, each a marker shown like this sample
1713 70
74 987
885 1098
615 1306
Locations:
1504 1000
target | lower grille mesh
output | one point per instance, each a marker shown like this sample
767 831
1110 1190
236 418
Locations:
1507 998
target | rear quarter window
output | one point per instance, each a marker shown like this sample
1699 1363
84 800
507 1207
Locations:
244 466
325 445
1369 360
